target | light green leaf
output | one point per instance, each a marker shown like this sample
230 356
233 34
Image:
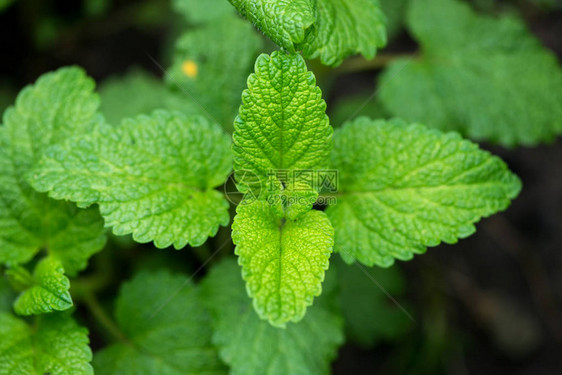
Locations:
344 28
488 78
201 12
58 106
286 22
282 129
138 92
211 65
251 346
47 289
54 345
404 187
153 176
369 315
167 329
283 261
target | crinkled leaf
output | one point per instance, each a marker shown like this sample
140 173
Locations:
167 327
252 346
369 315
153 176
488 78
47 289
138 92
211 65
283 261
200 12
282 129
404 187
286 22
344 28
57 106
54 345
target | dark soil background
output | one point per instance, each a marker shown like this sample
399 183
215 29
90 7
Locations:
491 304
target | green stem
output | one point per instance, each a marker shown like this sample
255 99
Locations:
103 318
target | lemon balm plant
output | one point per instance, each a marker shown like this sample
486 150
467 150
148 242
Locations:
371 191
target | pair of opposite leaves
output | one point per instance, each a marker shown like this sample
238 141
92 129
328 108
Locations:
401 187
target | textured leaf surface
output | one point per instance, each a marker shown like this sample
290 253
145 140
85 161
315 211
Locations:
139 93
211 65
58 106
404 187
282 126
344 28
369 315
48 290
283 261
167 327
283 21
199 12
252 346
54 345
488 78
153 176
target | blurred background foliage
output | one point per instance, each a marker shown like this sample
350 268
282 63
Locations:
490 305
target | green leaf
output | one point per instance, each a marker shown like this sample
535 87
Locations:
153 176
404 187
282 129
283 261
58 106
201 12
218 56
251 346
488 78
344 28
167 330
48 289
5 4
369 314
286 22
395 12
20 279
54 345
138 92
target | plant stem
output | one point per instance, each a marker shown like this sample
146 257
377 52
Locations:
103 318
